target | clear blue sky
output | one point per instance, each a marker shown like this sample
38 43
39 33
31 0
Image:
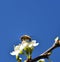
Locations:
37 18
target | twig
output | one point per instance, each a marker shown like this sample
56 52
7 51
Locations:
46 54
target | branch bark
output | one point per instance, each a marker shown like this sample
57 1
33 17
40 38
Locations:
46 54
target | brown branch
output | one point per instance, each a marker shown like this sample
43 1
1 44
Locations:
46 54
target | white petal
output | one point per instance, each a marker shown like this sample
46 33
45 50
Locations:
34 41
14 53
17 47
35 44
30 45
25 44
21 47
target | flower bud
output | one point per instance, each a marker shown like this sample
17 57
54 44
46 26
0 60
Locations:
25 37
57 41
41 60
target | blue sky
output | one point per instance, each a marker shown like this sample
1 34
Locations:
38 18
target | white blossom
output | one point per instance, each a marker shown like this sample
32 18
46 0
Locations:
30 44
25 44
17 50
33 43
15 53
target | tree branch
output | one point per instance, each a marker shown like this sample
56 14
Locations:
47 53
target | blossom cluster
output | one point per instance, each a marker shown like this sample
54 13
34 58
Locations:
18 49
25 47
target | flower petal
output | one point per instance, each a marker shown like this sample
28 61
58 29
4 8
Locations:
36 44
15 52
34 41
